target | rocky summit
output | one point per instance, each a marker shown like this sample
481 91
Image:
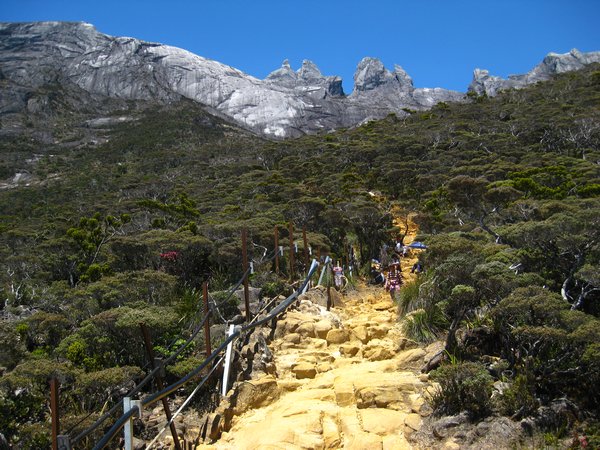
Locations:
287 103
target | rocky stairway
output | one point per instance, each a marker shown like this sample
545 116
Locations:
344 378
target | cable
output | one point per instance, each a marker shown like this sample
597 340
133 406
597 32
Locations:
185 403
173 387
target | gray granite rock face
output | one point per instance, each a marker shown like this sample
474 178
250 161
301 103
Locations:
553 63
286 103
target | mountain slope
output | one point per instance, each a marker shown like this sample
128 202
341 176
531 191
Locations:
286 103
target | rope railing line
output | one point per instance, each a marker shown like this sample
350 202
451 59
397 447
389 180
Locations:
173 387
187 400
141 384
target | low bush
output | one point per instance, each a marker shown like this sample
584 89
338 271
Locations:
463 386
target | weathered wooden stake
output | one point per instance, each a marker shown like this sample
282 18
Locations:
245 269
207 323
159 383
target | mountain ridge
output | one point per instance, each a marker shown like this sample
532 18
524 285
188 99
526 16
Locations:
286 103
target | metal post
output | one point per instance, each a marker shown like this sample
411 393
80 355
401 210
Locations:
55 412
305 241
245 268
328 293
292 262
64 442
159 383
128 427
227 362
276 250
207 323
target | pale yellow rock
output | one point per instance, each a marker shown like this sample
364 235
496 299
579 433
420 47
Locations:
255 393
412 356
293 338
323 367
416 403
306 329
337 336
450 445
304 370
395 442
382 421
378 331
331 432
361 333
362 441
344 394
349 350
424 377
322 327
289 384
377 353
384 306
413 421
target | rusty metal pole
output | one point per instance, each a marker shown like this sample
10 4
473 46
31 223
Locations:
305 241
292 262
245 269
276 250
55 412
207 323
159 383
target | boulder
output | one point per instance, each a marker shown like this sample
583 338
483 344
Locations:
254 394
337 336
304 370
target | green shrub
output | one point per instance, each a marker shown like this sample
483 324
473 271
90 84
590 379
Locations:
463 386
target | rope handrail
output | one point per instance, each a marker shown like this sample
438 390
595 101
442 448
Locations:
141 384
173 387
150 375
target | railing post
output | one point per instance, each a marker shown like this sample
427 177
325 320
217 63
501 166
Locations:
329 288
55 412
159 383
64 442
128 427
292 262
245 268
276 250
227 362
207 322
305 241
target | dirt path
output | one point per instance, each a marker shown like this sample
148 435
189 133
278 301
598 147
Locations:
344 379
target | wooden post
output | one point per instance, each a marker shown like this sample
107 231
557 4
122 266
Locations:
55 412
159 383
292 262
245 269
276 250
207 323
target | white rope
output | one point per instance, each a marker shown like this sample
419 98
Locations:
185 403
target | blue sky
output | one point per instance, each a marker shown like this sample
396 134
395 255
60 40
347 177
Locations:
438 42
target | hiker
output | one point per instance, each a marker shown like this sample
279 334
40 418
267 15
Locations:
398 248
338 274
417 268
377 276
